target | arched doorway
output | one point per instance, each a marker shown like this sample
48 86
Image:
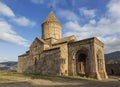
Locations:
112 72
81 62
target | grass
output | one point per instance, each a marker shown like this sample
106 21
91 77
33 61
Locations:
8 73
4 80
14 79
41 76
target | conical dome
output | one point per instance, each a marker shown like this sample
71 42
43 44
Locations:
51 18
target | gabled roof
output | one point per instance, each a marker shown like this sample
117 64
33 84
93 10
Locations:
66 39
39 40
89 40
51 18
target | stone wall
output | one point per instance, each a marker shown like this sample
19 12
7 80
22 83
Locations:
113 69
36 47
99 59
25 64
48 62
51 29
64 59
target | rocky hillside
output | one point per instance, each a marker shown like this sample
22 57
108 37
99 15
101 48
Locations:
113 57
8 65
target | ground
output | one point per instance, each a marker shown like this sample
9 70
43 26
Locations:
12 79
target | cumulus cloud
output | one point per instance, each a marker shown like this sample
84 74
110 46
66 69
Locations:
107 28
69 15
87 12
5 10
23 21
3 59
75 28
9 35
113 10
72 26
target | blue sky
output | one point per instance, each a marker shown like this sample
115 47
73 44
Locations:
20 22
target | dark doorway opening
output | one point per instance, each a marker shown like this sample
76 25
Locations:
112 72
81 64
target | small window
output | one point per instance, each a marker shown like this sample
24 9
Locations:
65 71
61 73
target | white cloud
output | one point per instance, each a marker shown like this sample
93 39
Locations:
92 22
107 28
87 12
69 15
105 32
114 9
5 10
9 35
23 21
81 32
3 59
72 26
111 43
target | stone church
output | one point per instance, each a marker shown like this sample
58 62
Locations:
55 55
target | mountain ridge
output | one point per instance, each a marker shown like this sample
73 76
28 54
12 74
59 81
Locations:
10 65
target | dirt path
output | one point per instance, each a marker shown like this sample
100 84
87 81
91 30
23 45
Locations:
11 81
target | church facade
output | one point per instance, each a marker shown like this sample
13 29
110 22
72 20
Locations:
55 55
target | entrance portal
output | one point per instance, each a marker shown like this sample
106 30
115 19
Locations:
81 64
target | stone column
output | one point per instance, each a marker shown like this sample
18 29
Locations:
104 68
93 63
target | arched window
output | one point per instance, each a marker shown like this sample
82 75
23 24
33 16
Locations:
35 61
